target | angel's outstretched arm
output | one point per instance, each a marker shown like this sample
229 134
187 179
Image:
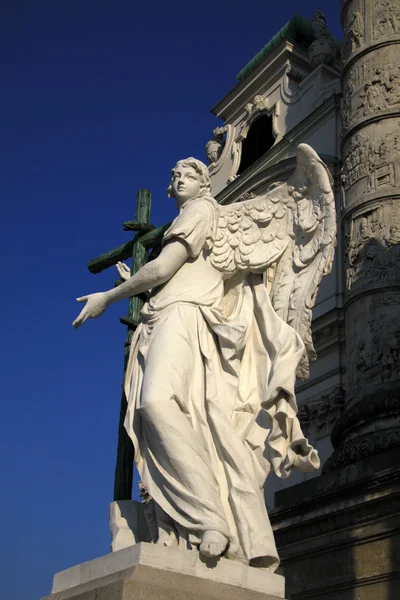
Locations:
153 274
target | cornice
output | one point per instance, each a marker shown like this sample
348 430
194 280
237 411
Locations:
261 79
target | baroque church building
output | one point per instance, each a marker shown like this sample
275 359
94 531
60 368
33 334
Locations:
338 530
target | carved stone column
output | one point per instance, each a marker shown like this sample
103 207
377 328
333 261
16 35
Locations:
371 220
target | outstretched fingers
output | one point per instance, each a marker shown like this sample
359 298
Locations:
81 318
95 305
123 270
83 315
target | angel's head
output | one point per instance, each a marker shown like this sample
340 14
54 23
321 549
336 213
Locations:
190 179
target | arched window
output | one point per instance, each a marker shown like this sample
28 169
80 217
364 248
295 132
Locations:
258 141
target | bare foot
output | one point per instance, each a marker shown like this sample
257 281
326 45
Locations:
213 544
166 538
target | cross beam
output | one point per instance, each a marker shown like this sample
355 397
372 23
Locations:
149 237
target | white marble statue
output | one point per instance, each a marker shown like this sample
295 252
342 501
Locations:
213 363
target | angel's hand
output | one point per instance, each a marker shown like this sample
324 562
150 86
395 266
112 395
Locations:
123 270
95 305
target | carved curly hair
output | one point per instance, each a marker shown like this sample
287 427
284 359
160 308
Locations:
200 168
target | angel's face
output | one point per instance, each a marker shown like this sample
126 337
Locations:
185 183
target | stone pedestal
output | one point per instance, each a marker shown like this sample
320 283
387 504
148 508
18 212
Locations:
147 571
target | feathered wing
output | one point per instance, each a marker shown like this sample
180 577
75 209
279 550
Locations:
252 235
297 280
293 228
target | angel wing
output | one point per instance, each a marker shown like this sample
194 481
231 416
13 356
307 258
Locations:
293 228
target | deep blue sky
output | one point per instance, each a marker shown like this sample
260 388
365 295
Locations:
99 98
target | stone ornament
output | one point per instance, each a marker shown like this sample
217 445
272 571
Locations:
373 247
373 86
212 367
258 105
252 110
323 413
371 159
381 91
323 49
375 355
214 147
385 18
247 196
362 448
353 29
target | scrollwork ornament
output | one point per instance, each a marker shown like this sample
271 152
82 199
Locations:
215 147
362 448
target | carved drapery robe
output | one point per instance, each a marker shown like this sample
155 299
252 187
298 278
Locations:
211 405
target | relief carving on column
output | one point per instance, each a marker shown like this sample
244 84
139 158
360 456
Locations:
355 161
385 18
371 159
373 246
353 23
381 91
322 414
374 357
372 86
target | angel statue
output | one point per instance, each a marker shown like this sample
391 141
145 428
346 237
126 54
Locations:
213 362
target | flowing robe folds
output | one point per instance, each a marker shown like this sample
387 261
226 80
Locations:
211 405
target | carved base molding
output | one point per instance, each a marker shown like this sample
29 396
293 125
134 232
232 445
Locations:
362 448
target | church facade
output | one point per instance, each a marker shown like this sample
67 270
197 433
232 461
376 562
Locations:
290 94
337 531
